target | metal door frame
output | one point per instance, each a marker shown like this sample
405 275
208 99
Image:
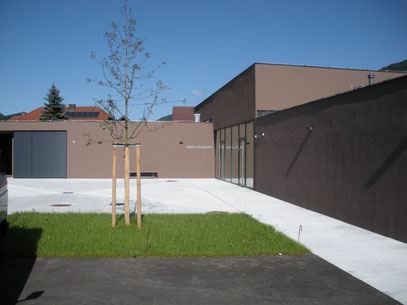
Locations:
242 161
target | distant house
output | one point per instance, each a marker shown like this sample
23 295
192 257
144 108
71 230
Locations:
88 113
183 114
180 114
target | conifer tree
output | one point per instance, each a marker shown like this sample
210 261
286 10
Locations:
54 110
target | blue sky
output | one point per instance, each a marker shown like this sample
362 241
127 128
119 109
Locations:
205 43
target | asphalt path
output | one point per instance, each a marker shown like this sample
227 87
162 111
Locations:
305 279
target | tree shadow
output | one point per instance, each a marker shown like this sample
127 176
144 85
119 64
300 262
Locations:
18 253
386 164
119 217
298 153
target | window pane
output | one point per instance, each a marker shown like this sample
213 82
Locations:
249 155
242 154
217 147
228 153
242 130
235 154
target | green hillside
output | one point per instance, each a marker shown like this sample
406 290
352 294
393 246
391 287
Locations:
166 118
398 66
7 117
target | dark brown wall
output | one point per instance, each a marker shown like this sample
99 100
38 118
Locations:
232 104
161 150
352 166
280 87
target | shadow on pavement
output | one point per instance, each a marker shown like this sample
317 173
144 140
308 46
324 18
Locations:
18 253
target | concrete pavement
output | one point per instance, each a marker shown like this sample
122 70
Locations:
377 260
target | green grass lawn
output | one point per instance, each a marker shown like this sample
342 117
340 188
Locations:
161 235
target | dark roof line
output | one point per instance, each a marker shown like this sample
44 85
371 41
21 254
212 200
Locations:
321 67
236 77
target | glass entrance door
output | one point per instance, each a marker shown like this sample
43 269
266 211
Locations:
221 160
242 161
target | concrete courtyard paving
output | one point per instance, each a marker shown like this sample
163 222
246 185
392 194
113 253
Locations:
377 260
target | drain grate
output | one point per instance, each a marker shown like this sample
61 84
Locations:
67 192
171 181
61 205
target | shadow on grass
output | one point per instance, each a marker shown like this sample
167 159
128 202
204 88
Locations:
133 217
18 252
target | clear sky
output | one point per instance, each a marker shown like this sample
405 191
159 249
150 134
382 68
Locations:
205 43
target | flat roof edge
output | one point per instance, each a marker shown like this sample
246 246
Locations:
331 68
225 85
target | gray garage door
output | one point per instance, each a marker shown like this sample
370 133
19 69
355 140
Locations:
40 154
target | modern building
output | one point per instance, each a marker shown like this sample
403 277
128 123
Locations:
35 149
264 89
327 139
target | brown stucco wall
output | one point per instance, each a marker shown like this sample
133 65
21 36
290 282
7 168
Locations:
352 166
161 150
232 104
278 87
282 86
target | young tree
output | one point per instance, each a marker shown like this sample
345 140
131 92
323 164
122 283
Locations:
129 80
54 109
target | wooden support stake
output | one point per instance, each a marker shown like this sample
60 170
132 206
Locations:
126 185
138 186
114 187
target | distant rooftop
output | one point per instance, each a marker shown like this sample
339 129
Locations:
74 113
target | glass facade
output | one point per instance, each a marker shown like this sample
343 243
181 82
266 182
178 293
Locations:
249 155
234 154
228 154
217 149
221 159
242 154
